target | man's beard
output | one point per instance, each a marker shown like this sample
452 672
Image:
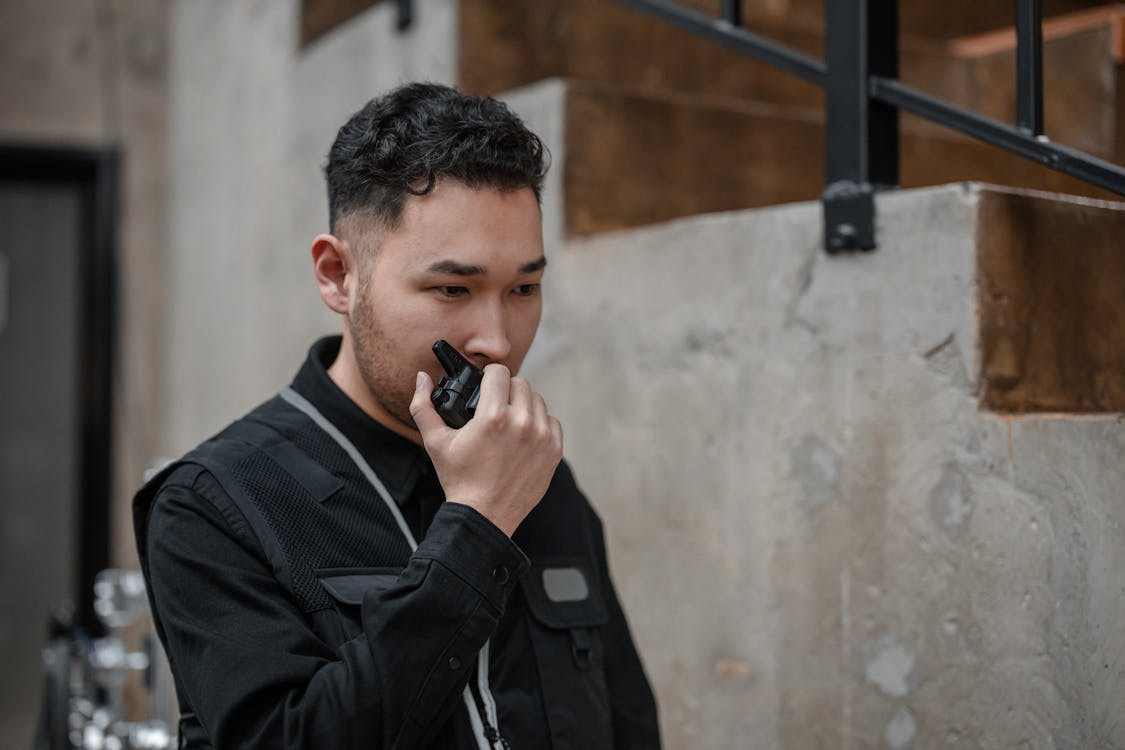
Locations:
389 383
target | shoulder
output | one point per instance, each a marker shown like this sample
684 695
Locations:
563 524
565 493
564 485
183 505
189 495
199 473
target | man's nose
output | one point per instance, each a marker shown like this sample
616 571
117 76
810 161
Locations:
489 340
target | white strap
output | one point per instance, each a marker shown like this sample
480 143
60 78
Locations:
482 685
474 719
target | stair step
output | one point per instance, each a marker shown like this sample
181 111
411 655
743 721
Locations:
790 443
633 158
507 45
1051 312
1083 78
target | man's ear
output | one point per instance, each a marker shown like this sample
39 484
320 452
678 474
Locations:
335 270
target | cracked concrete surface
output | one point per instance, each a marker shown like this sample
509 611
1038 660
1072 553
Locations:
824 503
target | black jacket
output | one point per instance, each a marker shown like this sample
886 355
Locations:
295 613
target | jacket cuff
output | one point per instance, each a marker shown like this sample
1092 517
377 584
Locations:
475 550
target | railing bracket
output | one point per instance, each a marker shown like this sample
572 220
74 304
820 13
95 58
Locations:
404 15
849 216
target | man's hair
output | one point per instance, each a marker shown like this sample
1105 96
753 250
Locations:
402 143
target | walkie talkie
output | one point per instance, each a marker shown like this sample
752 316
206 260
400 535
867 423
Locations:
456 396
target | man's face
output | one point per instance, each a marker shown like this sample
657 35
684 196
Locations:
463 265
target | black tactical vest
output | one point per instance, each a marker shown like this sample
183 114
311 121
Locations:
278 468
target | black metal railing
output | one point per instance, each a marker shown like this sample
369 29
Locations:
863 97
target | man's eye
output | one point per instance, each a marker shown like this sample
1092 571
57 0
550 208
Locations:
526 290
452 291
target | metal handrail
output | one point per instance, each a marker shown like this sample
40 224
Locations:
1016 139
727 32
863 97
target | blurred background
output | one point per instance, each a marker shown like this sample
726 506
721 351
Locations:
860 500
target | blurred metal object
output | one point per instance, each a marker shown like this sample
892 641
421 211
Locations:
119 597
84 676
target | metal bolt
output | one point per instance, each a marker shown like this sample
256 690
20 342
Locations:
842 236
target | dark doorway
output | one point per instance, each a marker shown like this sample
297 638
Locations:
57 217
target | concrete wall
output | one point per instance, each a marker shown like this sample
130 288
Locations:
92 75
88 74
252 118
223 123
820 538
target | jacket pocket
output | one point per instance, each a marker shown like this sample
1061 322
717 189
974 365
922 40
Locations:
567 612
347 587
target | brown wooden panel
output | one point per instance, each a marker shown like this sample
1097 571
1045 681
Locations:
1052 313
1119 113
935 156
505 45
953 18
655 56
318 17
634 159
1082 80
1079 85
936 20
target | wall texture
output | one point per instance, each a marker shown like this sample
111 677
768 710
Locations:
820 537
93 74
252 118
821 540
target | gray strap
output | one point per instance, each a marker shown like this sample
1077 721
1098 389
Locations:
301 403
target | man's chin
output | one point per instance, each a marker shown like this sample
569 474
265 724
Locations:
403 420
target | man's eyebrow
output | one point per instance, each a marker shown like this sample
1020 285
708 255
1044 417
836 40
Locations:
453 268
536 265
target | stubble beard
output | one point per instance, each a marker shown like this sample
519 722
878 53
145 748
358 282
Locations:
388 382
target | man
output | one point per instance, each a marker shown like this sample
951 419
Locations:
340 568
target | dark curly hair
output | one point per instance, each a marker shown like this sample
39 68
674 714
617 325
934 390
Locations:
402 143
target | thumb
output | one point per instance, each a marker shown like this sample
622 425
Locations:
422 410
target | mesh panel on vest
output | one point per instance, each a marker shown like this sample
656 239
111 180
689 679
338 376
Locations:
352 529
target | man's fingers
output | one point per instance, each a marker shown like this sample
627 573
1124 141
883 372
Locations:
556 431
494 388
538 409
520 395
543 417
422 409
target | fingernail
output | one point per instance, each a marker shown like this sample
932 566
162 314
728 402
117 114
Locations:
418 381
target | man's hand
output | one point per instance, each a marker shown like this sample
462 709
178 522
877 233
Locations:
502 461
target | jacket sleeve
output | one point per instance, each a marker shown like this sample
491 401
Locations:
254 671
633 706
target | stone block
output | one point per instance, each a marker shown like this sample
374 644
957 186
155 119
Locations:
821 538
1052 311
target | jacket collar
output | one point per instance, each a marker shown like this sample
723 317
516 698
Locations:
398 461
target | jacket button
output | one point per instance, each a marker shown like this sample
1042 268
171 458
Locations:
500 574
454 663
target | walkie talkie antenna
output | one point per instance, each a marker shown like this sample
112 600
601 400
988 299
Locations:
451 360
455 397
